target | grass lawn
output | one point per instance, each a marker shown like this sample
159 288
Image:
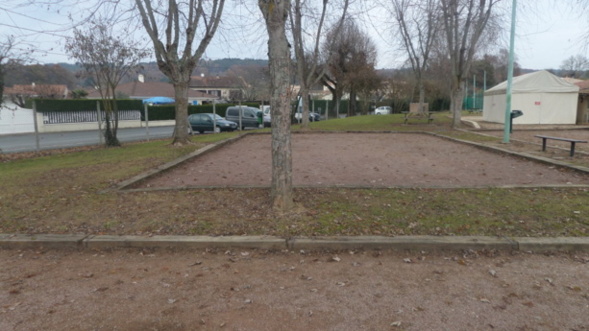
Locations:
61 194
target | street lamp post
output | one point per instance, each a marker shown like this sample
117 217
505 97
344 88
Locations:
507 125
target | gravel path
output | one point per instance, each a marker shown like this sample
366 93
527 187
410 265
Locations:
369 160
252 290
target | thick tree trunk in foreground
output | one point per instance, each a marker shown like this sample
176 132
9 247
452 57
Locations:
181 107
456 100
275 14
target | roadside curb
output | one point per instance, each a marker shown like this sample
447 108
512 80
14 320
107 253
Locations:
402 243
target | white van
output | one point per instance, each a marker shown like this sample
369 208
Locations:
266 113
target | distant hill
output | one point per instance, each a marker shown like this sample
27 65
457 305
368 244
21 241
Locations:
152 73
219 67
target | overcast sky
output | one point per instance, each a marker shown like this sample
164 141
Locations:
546 34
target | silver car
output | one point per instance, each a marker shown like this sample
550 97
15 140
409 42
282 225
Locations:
383 110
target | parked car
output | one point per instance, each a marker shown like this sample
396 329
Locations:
313 117
249 116
383 110
267 118
205 122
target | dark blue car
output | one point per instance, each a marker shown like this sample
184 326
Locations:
205 122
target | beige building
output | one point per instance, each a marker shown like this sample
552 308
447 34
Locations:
583 105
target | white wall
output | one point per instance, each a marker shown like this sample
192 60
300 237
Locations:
14 119
538 108
67 127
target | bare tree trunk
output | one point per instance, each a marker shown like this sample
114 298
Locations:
352 103
456 100
181 107
464 23
110 133
307 63
421 89
275 14
1 81
305 102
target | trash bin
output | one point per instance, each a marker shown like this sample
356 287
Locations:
514 114
260 115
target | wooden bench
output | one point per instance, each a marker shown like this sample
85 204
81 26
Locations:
572 141
409 115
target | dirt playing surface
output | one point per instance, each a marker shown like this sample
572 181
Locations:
255 290
367 160
252 290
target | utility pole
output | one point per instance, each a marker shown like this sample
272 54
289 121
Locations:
507 125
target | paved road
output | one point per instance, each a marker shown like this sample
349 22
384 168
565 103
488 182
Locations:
27 142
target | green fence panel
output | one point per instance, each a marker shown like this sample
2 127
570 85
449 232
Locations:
475 102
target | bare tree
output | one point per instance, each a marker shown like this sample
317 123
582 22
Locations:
575 66
275 14
367 84
418 22
173 30
253 80
5 52
464 23
308 59
351 54
500 61
8 59
106 57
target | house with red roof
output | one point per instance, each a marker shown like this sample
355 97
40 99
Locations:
140 89
224 87
19 93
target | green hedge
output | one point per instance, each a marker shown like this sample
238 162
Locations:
69 105
320 106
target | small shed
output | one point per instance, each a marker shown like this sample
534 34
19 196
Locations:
543 98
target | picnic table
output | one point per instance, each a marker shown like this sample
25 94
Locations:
572 141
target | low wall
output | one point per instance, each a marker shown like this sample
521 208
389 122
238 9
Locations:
14 120
88 126
21 120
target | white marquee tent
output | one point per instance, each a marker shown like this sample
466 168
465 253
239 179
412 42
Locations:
543 98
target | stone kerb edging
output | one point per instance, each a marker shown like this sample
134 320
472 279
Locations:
401 243
125 185
536 158
164 167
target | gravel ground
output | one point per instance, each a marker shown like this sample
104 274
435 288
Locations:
253 290
366 160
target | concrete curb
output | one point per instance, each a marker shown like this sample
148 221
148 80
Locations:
403 243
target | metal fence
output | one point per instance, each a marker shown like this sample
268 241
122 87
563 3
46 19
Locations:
86 116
